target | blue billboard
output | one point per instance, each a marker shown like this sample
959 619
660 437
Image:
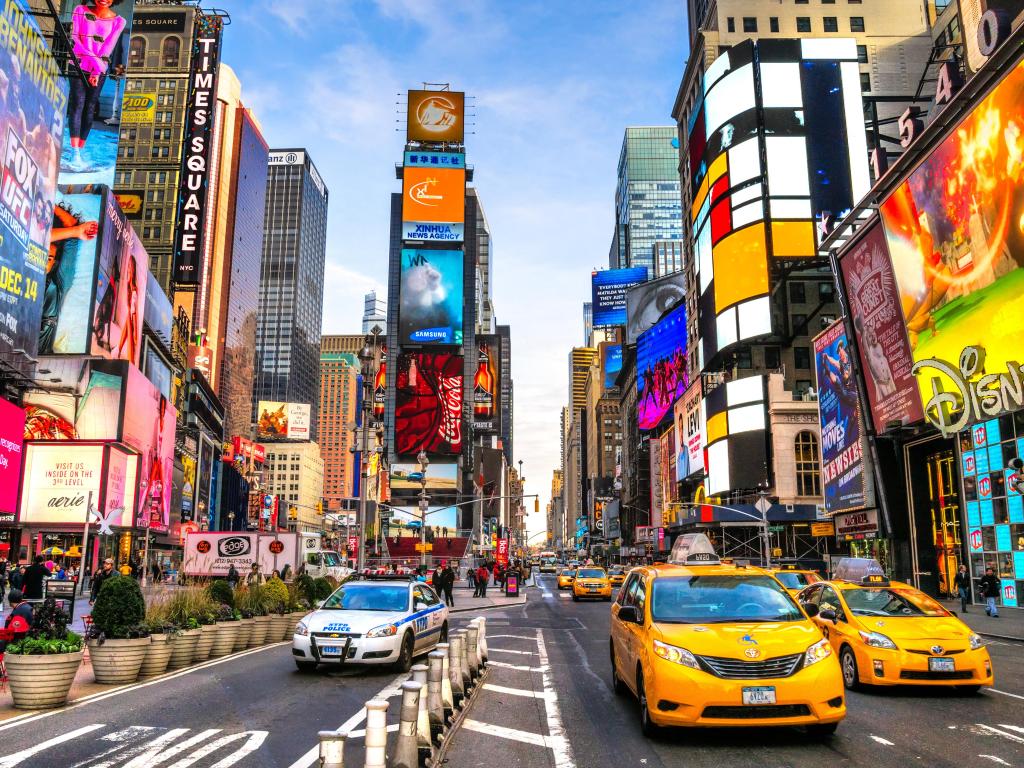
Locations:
661 375
608 293
430 297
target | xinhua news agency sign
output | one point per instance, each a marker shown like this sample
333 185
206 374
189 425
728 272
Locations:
190 229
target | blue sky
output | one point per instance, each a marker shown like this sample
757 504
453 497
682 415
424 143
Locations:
553 84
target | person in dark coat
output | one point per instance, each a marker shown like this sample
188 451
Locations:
19 619
233 576
105 572
990 591
962 585
17 578
35 575
448 584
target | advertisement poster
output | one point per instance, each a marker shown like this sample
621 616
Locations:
647 302
188 492
694 429
158 313
120 489
12 429
58 481
99 45
149 423
33 99
842 465
487 386
430 297
433 204
608 293
954 235
441 477
408 519
428 404
121 277
282 421
90 411
611 364
657 487
884 352
436 116
661 368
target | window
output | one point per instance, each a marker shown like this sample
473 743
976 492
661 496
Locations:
749 24
828 2
771 358
799 323
802 357
831 23
773 23
743 359
137 52
731 24
803 23
802 2
862 54
797 293
808 469
170 52
856 23
865 82
826 291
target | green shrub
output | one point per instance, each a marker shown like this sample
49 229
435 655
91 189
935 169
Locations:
49 633
251 601
119 610
221 591
276 595
306 586
187 606
157 621
322 588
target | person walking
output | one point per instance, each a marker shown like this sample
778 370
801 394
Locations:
3 579
962 585
471 578
448 584
105 572
255 578
990 591
35 575
482 577
17 578
437 578
233 576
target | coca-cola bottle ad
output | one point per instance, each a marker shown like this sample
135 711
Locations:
428 404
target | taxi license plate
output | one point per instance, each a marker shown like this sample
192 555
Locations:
941 665
759 695
330 650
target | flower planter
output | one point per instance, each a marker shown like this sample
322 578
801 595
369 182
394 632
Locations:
41 682
183 648
157 655
224 641
115 662
244 633
207 634
283 628
260 627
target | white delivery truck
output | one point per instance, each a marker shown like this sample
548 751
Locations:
212 553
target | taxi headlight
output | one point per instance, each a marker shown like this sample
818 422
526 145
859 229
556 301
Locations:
301 629
386 630
877 640
976 642
818 652
675 655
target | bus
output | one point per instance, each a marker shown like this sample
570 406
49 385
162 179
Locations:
548 562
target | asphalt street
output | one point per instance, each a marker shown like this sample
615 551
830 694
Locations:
548 702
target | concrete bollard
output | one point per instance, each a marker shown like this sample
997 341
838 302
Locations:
435 705
447 694
332 749
472 653
455 671
467 676
407 748
481 640
478 657
376 739
419 676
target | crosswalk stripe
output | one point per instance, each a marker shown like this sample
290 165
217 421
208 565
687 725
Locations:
515 691
996 732
19 757
513 734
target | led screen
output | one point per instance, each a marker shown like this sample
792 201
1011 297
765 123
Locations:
611 364
736 436
608 292
12 429
436 116
430 297
148 426
487 385
647 302
442 477
441 523
433 203
661 368
428 404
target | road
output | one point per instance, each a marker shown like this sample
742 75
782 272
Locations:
549 703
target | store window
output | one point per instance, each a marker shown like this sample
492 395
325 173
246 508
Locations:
808 467
830 23
137 52
803 23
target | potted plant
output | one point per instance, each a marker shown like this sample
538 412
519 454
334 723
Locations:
227 631
245 621
183 610
161 631
41 666
208 629
253 601
276 594
117 638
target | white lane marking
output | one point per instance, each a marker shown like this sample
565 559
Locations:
514 637
1004 693
882 741
521 668
509 650
1016 728
996 732
513 734
19 757
312 756
995 759
120 739
153 754
515 691
253 741
563 595
561 750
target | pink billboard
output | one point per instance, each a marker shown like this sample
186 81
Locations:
148 426
12 427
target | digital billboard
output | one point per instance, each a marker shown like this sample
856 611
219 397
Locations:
690 431
436 117
433 204
430 297
608 293
662 375
736 435
99 46
282 421
33 99
647 302
428 404
956 243
611 364
148 425
158 314
440 477
435 159
883 349
842 465
438 518
487 385
12 430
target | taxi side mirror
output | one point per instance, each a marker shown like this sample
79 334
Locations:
629 614
810 609
827 614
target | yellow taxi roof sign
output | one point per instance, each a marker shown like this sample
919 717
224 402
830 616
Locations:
693 549
861 570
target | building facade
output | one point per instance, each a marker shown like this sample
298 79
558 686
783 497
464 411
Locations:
339 395
375 312
507 392
295 474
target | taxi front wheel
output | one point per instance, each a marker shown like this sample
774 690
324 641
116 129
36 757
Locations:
848 662
648 727
822 730
618 687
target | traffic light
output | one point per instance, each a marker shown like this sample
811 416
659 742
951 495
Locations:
536 505
293 512
320 507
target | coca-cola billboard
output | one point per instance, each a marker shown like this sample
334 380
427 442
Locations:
428 404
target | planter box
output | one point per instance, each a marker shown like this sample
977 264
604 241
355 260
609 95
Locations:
224 641
41 682
183 648
207 634
260 626
157 655
283 628
244 633
116 662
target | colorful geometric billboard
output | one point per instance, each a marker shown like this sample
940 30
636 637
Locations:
662 376
736 435
430 297
282 421
433 204
608 293
487 386
428 404
436 117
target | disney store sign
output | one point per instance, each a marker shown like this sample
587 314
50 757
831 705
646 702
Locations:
977 396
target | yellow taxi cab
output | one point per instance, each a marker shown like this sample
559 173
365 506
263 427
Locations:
702 643
793 578
565 578
591 581
888 633
616 576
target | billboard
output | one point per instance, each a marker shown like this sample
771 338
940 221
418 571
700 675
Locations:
435 159
443 477
736 435
148 425
433 204
438 518
158 314
12 429
99 45
33 98
842 465
608 293
190 230
661 368
955 239
487 385
282 421
436 117
138 109
430 297
647 302
690 431
883 349
428 404
611 364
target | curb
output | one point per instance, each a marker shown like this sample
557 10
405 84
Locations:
440 757
1008 638
486 607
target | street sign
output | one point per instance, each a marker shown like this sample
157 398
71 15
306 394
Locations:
427 547
776 528
763 505
386 514
823 529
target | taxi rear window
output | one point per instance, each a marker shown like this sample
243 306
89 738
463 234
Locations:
794 580
589 573
369 597
721 600
891 602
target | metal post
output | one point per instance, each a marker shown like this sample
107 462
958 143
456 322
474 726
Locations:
424 505
764 529
367 356
85 547
407 751
376 739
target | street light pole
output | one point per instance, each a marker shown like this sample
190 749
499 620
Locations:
424 505
368 361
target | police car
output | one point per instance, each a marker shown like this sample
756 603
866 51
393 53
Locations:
372 621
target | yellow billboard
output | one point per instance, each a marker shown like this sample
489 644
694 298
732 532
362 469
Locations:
436 116
138 108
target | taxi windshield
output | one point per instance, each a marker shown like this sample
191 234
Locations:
369 597
721 600
589 573
891 602
568 572
794 580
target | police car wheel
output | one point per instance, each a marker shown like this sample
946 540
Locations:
618 687
404 663
306 666
848 663
648 727
822 730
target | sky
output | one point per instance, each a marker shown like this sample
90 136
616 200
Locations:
551 85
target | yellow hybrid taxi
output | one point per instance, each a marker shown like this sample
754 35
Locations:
565 578
591 581
616 576
702 643
888 633
795 579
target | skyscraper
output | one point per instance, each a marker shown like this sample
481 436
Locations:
339 386
647 207
291 283
507 394
375 312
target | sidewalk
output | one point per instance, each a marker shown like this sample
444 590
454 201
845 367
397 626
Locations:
465 602
1009 625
